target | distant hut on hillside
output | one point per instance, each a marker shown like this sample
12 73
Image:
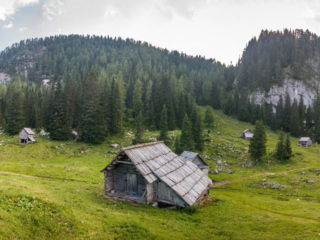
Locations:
196 159
305 142
26 135
151 172
247 134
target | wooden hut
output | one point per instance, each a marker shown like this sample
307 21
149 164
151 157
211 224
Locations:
151 172
196 159
305 142
247 134
26 135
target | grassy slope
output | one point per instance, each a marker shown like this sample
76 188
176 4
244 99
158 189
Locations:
49 190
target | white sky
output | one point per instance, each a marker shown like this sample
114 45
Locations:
216 29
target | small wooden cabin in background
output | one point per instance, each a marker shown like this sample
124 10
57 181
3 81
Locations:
151 172
26 135
247 134
196 159
305 142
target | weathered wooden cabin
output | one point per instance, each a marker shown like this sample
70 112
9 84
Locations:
26 135
305 142
247 134
151 172
196 159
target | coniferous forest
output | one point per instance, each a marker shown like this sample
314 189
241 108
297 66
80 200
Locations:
100 85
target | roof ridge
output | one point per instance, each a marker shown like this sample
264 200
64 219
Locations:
140 145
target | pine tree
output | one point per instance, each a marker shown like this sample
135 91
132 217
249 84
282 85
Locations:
294 120
302 115
164 125
91 120
139 129
257 147
288 149
116 109
208 118
59 122
137 98
15 116
286 114
186 138
279 114
197 128
280 149
177 145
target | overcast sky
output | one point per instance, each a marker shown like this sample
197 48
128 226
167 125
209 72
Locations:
216 29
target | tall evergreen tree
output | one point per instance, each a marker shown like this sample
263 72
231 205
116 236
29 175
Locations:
197 128
280 149
208 118
137 98
164 125
186 138
116 109
138 138
286 114
59 122
15 115
294 120
257 147
288 149
279 114
91 121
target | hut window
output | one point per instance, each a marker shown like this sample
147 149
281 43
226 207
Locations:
132 183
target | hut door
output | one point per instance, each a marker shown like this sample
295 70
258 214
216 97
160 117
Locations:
132 183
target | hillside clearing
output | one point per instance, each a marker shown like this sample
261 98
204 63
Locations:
48 190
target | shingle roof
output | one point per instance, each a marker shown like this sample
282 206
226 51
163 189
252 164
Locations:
189 155
304 139
29 131
192 156
156 161
247 131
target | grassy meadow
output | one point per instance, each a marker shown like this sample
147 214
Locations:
50 190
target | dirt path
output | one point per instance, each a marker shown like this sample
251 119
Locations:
16 174
44 177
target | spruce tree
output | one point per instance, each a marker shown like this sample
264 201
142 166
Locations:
116 109
186 138
137 98
286 114
294 120
15 115
279 114
197 129
257 147
164 125
177 145
138 138
208 118
59 122
91 122
288 149
280 149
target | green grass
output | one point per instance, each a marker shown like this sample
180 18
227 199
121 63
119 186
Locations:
49 190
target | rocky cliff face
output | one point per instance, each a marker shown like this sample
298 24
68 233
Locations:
4 77
295 89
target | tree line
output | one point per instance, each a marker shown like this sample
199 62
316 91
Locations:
130 80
